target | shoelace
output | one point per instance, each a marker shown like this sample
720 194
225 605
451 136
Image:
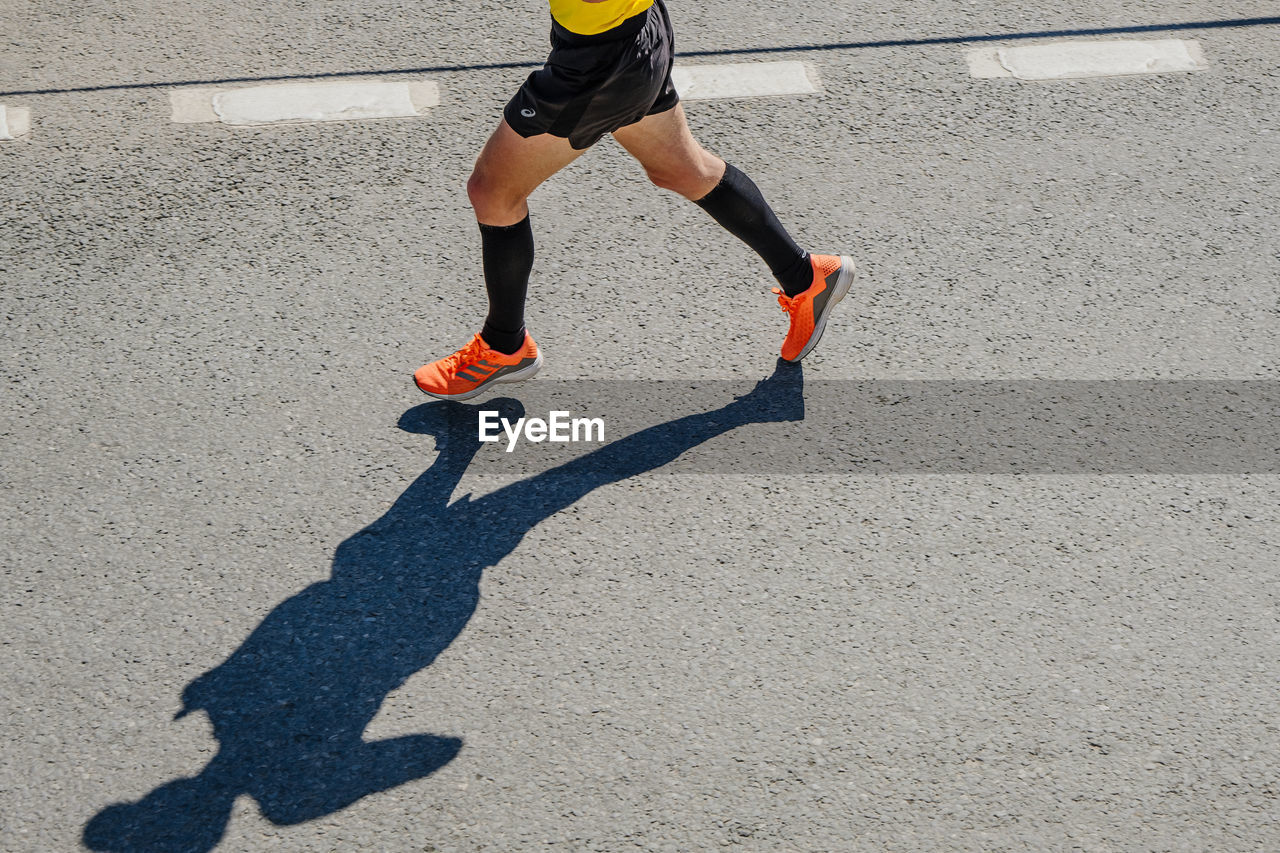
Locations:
788 303
469 354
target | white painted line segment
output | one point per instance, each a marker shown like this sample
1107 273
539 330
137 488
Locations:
1067 60
424 94
984 64
297 103
192 106
303 102
14 122
744 80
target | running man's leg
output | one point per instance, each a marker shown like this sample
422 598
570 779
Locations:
675 161
510 167
508 170
811 285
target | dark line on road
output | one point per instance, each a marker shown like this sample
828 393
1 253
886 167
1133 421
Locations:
808 48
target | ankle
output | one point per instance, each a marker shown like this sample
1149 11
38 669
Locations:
504 341
796 277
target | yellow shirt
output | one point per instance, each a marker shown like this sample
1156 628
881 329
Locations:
587 19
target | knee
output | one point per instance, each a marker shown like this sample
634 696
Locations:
677 181
481 191
692 181
490 199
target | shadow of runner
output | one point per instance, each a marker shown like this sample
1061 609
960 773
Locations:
290 706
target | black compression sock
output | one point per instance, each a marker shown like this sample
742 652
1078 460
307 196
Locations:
736 203
503 340
508 258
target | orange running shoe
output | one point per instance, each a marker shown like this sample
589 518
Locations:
470 370
832 276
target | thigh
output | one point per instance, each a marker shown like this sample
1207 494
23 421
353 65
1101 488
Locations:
515 165
665 147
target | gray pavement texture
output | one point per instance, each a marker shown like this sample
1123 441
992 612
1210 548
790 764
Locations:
222 495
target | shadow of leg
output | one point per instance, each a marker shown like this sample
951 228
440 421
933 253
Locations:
337 779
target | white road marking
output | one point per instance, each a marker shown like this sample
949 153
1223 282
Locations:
297 103
14 122
192 106
744 80
1065 60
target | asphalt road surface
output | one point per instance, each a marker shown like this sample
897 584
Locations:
258 595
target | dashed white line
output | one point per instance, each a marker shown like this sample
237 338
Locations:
744 80
14 122
1073 59
295 103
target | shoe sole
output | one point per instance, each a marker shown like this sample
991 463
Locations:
844 282
515 376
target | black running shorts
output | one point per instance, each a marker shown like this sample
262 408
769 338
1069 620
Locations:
593 85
